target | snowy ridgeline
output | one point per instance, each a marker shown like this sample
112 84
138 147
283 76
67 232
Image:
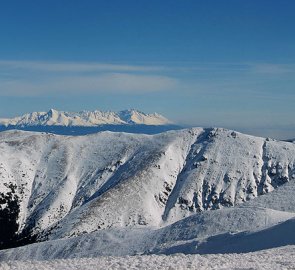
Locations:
123 194
84 118
89 122
279 258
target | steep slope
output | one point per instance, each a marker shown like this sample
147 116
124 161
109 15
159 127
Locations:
68 186
228 168
56 175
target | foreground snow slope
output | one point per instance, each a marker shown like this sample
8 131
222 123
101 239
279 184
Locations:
190 235
275 236
278 258
67 186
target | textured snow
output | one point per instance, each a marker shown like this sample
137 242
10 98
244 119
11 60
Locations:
192 191
191 235
85 118
71 185
279 258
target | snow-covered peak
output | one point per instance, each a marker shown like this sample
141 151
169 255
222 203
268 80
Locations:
136 117
85 118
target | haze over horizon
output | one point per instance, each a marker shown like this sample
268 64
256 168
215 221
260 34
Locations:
226 64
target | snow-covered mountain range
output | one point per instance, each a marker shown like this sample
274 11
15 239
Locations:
123 194
85 118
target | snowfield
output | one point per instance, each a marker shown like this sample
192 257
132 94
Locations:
279 258
89 200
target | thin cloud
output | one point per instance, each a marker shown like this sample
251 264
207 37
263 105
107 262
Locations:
73 66
49 66
272 69
103 83
41 78
116 83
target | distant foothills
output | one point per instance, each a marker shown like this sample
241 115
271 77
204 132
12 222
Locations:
86 122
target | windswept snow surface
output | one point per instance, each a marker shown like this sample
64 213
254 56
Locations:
279 258
187 236
117 194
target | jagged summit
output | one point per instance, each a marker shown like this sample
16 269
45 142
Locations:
85 118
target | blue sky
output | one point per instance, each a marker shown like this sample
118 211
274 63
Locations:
228 63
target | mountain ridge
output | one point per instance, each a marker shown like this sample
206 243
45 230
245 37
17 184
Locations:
66 186
85 119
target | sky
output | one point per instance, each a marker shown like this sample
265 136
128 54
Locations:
223 63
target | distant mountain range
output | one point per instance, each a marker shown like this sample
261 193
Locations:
85 118
87 122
